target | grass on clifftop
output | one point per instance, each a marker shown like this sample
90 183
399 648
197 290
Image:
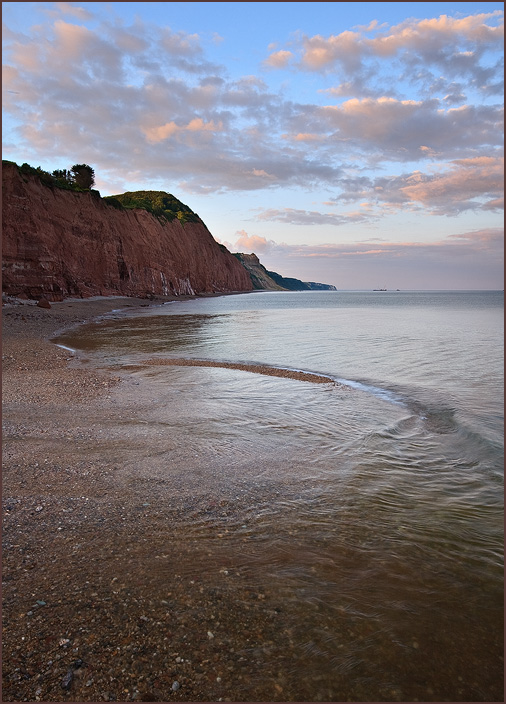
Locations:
159 203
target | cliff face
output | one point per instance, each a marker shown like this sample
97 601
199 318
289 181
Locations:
58 243
260 277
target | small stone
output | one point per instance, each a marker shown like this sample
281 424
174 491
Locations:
67 680
44 303
210 635
175 686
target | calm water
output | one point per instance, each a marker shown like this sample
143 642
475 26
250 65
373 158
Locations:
373 508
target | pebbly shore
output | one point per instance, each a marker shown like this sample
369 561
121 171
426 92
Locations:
105 597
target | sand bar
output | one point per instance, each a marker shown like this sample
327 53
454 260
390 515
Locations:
253 368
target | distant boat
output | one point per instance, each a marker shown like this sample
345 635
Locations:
379 289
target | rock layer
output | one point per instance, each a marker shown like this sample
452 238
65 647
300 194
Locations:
58 243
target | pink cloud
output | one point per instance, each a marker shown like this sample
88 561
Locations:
251 243
447 189
424 35
466 181
278 59
319 52
163 132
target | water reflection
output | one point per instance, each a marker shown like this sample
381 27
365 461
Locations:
132 337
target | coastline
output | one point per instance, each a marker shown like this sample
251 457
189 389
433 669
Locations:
101 598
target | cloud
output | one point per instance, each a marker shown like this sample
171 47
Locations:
278 59
303 137
435 39
294 216
252 243
462 187
344 48
400 128
451 46
464 184
145 100
163 132
67 8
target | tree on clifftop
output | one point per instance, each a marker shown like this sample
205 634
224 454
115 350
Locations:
83 175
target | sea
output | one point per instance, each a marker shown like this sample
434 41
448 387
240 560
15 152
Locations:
371 504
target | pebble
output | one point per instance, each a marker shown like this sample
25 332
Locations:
67 680
175 686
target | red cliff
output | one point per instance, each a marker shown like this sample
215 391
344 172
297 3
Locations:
58 243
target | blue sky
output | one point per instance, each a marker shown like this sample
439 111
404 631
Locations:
357 144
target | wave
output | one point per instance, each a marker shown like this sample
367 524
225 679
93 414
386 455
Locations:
384 394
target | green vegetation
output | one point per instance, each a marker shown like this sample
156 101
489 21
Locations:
158 203
80 177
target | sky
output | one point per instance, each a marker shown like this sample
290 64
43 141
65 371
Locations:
353 144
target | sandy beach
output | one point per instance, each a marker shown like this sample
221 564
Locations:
100 601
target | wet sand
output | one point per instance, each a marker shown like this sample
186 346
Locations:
105 598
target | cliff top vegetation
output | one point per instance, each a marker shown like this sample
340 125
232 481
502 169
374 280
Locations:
158 203
79 177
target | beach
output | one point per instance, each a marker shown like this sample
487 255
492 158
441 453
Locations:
179 529
86 618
